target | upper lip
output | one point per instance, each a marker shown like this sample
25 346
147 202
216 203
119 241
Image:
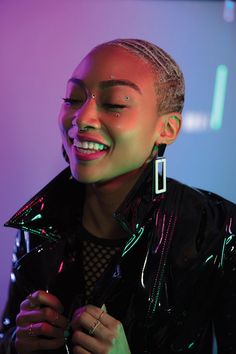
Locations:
89 137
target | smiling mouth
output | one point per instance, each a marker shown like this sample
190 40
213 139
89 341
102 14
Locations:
89 147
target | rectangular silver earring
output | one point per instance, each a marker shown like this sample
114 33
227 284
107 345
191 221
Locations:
160 175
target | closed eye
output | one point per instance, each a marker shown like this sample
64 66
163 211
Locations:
71 101
113 107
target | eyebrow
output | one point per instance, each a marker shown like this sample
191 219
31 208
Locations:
76 81
111 83
108 83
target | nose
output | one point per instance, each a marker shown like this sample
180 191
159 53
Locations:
86 117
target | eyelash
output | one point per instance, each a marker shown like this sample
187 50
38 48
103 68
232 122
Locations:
113 107
71 101
109 106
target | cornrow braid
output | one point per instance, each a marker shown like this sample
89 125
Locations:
169 79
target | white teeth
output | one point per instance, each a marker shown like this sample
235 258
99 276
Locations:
89 145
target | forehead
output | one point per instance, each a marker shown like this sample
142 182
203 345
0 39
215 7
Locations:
107 63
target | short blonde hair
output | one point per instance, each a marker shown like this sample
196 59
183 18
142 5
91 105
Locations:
169 79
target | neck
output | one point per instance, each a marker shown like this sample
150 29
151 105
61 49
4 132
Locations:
102 200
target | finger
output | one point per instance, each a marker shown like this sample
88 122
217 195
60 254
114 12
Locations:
40 329
41 298
79 350
29 303
96 313
45 314
83 320
93 327
104 317
84 341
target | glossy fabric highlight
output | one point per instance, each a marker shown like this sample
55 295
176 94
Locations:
31 217
172 280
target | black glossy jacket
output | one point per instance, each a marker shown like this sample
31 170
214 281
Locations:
173 282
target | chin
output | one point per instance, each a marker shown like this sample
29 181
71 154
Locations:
91 174
84 176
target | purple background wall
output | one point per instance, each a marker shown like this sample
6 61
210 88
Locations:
41 43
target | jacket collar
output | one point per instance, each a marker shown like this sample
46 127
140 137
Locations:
56 208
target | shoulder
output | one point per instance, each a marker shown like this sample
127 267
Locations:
202 200
205 220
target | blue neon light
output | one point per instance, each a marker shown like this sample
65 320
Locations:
219 97
229 5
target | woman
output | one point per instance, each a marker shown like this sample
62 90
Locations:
109 260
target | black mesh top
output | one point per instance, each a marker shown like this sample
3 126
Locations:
97 254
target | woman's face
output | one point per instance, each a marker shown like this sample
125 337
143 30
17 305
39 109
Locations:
111 94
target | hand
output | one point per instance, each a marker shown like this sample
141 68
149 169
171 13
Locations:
95 331
40 323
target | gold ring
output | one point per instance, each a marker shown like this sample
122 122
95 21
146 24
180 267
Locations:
92 330
100 316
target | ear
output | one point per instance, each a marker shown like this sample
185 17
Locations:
169 127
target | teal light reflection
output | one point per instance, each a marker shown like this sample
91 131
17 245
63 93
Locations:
38 216
209 258
219 97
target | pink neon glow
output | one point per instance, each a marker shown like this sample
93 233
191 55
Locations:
61 267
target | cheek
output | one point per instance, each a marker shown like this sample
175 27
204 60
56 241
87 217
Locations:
64 121
122 124
135 129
